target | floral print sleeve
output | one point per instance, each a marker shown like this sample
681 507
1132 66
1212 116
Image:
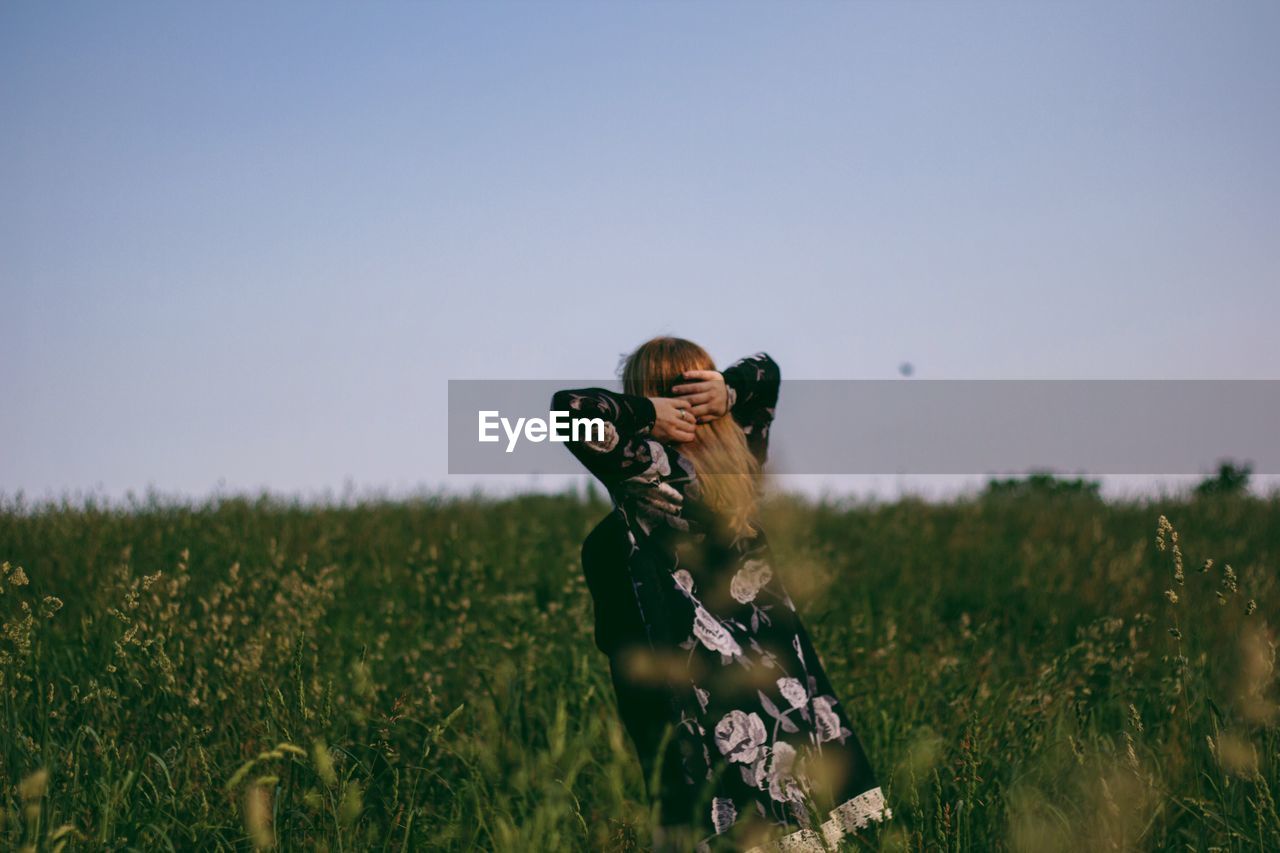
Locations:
624 450
647 478
753 384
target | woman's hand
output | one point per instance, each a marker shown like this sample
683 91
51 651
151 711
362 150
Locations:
674 420
707 394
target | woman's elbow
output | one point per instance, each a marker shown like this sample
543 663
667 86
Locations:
772 371
560 401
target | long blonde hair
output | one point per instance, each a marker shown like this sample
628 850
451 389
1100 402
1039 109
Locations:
724 464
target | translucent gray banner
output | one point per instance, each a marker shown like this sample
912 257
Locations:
1091 427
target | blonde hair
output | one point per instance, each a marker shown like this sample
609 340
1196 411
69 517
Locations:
725 467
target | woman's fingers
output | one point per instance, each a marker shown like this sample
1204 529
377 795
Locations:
675 419
706 392
693 388
681 431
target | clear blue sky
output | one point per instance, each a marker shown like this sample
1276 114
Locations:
248 243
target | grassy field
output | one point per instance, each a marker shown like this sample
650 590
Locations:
1027 672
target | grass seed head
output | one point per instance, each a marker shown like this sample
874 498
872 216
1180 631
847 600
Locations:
257 817
34 786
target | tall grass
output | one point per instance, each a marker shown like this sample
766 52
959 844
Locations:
1049 673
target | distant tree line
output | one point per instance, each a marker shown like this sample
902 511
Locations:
1231 478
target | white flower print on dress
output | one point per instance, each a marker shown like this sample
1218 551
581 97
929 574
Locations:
723 814
703 697
793 691
782 783
749 580
713 635
684 580
608 441
660 466
827 722
657 502
739 736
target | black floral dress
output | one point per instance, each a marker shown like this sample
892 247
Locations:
737 727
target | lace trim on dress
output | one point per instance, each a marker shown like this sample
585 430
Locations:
848 817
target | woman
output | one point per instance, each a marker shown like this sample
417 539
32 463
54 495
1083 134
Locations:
738 729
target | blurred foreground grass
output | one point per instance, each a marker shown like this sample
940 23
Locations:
1027 673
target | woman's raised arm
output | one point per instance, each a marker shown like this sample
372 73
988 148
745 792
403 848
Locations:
753 384
614 430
